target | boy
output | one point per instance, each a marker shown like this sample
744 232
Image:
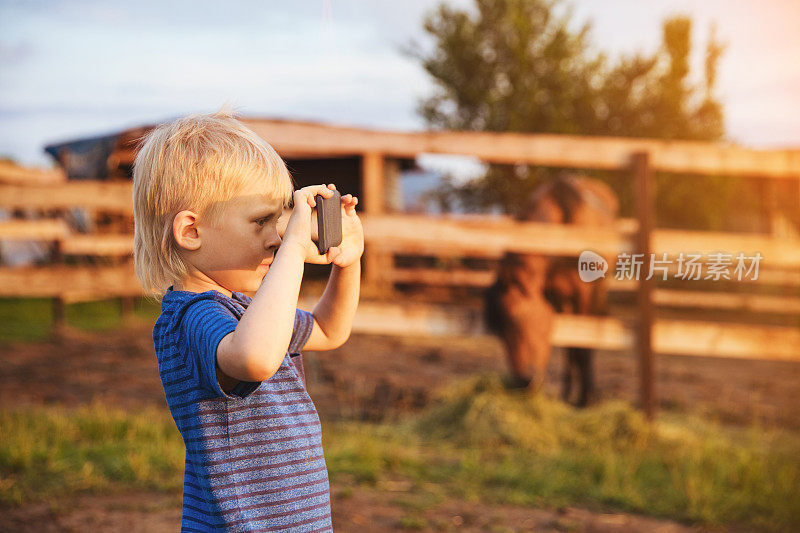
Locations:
208 193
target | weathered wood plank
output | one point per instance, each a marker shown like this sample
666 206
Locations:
677 337
109 196
667 297
306 140
14 174
55 280
417 234
98 245
410 318
299 139
33 230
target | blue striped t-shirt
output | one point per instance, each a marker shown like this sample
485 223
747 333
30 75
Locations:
254 457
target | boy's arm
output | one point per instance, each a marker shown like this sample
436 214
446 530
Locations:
334 313
255 350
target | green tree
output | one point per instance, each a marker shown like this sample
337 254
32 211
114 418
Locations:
516 65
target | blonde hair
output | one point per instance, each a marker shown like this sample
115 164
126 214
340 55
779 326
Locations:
194 163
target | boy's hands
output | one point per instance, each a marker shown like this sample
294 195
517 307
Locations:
352 245
298 229
299 232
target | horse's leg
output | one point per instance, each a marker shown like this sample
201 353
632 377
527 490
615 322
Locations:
583 362
590 299
564 304
566 376
598 307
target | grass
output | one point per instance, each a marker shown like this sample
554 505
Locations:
478 442
49 451
484 443
31 319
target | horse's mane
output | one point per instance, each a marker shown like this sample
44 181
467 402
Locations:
564 190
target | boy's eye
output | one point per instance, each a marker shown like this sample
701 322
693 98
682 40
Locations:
264 220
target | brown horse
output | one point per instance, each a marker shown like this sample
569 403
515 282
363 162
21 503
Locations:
531 288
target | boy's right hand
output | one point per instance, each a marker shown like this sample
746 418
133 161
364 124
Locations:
298 229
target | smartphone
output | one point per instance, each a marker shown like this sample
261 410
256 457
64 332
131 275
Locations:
329 221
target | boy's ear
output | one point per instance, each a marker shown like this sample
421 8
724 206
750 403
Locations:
184 230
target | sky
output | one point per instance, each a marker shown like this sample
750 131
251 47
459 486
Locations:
89 67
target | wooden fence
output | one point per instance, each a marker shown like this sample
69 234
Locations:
478 236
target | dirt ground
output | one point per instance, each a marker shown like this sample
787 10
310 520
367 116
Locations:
371 378
364 510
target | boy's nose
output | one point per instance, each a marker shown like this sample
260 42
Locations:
273 243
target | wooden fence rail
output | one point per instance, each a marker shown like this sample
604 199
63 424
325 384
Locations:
570 151
675 337
670 336
437 235
109 196
441 235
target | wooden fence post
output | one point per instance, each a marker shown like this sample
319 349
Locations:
127 304
643 183
373 179
58 305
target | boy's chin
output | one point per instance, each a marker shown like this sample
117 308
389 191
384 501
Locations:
247 282
248 287
255 282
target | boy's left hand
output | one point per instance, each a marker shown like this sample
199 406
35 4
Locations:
352 246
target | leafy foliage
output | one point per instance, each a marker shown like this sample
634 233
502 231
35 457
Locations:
516 65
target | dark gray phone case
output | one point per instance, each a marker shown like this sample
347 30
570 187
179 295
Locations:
329 221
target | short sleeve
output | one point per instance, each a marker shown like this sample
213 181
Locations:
303 325
204 324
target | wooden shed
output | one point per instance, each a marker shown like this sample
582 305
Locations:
313 152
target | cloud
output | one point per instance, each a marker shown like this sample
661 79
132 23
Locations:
15 53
